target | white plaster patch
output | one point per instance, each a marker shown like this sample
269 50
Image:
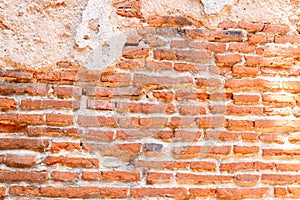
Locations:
215 6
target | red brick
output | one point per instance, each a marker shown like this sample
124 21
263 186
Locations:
202 192
241 193
182 122
183 178
165 21
292 86
135 52
13 160
246 179
281 153
61 76
99 135
215 35
280 71
227 24
287 167
220 135
272 62
280 179
119 79
164 54
59 119
228 59
124 152
278 110
243 71
123 176
254 39
46 104
203 166
245 99
245 150
272 28
8 104
12 128
39 145
153 122
72 161
69 146
187 67
159 178
189 136
160 80
163 95
18 76
251 27
220 96
97 121
113 193
294 137
241 47
32 89
240 125
64 176
176 193
20 176
170 165
287 192
209 84
154 41
211 46
287 39
246 166
249 137
100 105
164 135
278 51
279 99
131 65
193 55
252 84
71 192
67 92
91 176
192 110
271 138
198 151
242 110
186 96
24 191
279 126
211 122
53 132
157 66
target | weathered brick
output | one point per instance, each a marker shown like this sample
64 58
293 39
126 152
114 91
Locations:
8 104
123 176
159 178
20 161
158 192
240 193
72 161
26 176
64 176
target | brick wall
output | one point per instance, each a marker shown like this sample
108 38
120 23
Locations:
187 112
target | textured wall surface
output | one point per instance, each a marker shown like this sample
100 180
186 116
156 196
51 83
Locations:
156 99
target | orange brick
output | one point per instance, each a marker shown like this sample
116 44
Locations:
13 160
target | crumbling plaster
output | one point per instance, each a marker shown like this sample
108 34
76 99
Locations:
38 33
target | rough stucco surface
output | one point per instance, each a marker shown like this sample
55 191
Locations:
37 34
